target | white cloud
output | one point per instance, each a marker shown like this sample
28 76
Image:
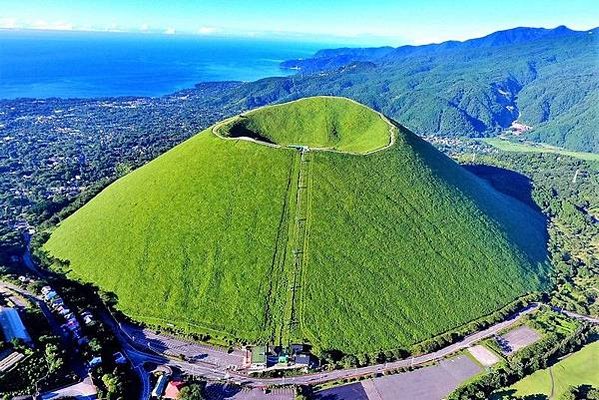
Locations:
52 26
63 26
8 23
170 31
207 30
144 28
114 28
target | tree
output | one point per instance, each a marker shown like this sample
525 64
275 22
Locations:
570 394
95 346
349 361
194 391
53 358
122 169
114 385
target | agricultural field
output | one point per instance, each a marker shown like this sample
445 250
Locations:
552 382
263 242
507 145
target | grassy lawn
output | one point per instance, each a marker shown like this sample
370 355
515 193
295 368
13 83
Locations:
411 246
317 122
506 145
394 246
576 369
189 238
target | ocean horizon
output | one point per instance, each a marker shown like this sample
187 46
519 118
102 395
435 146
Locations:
44 64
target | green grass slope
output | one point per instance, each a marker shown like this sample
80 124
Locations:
317 122
577 369
406 244
189 238
377 247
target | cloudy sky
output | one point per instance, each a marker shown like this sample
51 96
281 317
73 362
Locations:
387 22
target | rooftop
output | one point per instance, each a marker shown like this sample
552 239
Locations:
12 326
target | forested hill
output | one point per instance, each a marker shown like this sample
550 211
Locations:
546 79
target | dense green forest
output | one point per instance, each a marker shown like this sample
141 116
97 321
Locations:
545 79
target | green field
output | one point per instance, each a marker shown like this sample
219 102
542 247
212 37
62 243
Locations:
262 242
412 246
176 237
322 122
506 145
579 368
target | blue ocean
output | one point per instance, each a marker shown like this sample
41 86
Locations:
40 64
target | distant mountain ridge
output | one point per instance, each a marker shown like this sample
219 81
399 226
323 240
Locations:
343 56
544 79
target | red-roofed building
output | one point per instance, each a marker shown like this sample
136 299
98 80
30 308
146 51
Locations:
172 389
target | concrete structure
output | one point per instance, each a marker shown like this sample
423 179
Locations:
84 390
303 359
12 326
296 348
9 359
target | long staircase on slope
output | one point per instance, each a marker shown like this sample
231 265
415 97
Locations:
298 243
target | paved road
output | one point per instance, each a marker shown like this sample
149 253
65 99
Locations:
219 370
174 347
27 259
215 364
211 371
572 314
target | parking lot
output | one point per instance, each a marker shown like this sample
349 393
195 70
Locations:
429 383
217 391
483 355
517 338
193 352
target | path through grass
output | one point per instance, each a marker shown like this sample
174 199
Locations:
577 369
297 244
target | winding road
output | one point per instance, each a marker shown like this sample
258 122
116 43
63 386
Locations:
142 346
574 315
138 352
215 364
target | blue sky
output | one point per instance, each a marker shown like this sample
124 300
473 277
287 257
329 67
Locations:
388 22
